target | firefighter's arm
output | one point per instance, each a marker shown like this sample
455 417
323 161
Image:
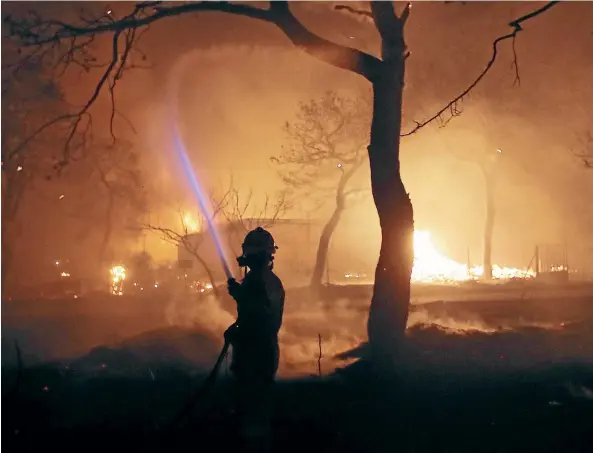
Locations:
254 302
230 335
234 288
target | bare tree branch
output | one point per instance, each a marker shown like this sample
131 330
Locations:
351 192
405 13
349 9
329 134
77 53
46 38
585 152
191 242
192 247
242 215
45 35
515 63
453 108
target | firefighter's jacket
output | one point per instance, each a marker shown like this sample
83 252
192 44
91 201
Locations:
260 305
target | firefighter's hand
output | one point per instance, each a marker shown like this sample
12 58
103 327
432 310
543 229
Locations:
231 333
234 288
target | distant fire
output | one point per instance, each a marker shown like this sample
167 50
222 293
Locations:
118 275
190 223
431 266
200 286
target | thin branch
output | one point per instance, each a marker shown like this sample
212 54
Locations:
515 64
19 372
128 121
406 13
585 143
52 31
358 12
320 356
36 33
265 217
350 192
82 113
453 106
328 137
185 240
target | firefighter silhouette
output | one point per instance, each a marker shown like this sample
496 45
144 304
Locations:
254 337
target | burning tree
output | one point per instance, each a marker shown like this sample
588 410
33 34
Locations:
327 147
72 43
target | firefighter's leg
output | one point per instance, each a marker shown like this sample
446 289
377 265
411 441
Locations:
254 411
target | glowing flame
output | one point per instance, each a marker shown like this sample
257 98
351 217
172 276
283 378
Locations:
190 223
431 266
118 275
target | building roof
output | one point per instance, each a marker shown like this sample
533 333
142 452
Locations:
265 222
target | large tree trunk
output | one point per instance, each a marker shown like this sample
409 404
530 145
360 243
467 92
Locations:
489 225
391 295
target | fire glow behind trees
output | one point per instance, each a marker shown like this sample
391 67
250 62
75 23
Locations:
390 302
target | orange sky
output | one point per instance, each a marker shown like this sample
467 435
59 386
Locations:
241 81
235 99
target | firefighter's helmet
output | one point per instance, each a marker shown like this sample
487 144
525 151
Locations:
259 241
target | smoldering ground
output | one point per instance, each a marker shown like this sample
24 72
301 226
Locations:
117 370
188 331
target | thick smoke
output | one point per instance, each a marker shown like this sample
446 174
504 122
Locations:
341 328
181 330
337 327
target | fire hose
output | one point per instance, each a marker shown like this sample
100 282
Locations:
206 210
203 389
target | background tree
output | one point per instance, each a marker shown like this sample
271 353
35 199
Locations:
30 98
243 215
391 295
488 162
584 149
487 159
110 188
486 140
327 146
235 215
185 236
